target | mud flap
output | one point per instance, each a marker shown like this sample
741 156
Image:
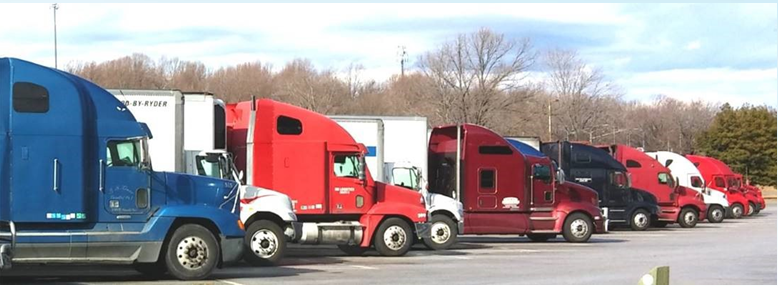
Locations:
423 229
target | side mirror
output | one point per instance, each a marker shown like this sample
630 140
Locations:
362 172
560 176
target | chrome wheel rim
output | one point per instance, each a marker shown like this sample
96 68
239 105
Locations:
579 228
737 211
264 243
395 237
750 210
689 217
641 220
717 214
441 232
192 252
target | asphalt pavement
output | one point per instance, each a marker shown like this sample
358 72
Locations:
733 252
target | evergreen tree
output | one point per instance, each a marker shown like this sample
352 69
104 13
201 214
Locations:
745 139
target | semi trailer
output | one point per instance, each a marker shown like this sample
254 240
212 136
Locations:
315 161
719 177
595 168
80 188
676 203
397 154
191 137
688 176
505 191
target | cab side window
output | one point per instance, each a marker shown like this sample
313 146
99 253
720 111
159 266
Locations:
123 153
664 179
346 166
719 182
696 182
30 98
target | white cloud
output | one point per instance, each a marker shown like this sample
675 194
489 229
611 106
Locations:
693 45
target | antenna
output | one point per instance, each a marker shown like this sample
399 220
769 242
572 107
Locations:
402 57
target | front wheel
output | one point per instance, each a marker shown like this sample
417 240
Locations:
578 228
192 253
264 243
716 214
443 233
751 209
640 220
688 218
737 211
393 237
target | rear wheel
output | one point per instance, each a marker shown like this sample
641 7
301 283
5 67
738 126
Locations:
751 209
540 237
716 214
393 237
737 210
688 218
640 220
443 233
264 243
578 228
192 253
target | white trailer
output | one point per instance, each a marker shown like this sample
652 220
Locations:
400 149
189 136
687 175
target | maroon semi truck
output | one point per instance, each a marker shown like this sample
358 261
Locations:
505 191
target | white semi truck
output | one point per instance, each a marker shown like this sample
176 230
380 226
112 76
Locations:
397 154
688 176
190 137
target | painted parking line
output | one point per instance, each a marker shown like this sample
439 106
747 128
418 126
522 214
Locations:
364 267
228 282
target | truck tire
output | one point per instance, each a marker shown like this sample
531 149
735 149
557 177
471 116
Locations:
751 209
540 237
443 233
716 214
688 218
353 250
577 228
264 243
192 253
393 237
737 210
640 220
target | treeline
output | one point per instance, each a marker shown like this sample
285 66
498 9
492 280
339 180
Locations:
481 77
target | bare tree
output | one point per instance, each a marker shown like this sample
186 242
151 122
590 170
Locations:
473 77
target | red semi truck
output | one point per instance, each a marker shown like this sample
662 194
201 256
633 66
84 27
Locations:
314 161
719 177
507 192
753 191
676 203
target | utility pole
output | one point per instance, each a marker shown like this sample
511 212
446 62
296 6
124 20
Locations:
55 7
550 130
403 58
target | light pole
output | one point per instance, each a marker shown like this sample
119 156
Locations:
550 130
55 7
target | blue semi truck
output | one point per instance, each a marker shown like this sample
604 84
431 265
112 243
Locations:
77 182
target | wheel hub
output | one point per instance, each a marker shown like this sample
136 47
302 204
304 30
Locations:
395 237
689 217
717 214
264 243
440 232
192 252
641 220
579 228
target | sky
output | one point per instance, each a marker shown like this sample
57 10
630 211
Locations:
714 52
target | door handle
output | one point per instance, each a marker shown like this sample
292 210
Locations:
56 175
101 182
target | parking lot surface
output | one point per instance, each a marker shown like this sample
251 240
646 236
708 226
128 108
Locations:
734 252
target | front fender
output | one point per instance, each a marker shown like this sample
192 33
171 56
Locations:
564 209
280 206
413 212
225 221
444 203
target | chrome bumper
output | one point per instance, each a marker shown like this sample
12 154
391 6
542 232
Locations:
7 245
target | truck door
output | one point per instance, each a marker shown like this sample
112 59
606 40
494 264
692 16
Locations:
542 187
347 190
47 151
126 180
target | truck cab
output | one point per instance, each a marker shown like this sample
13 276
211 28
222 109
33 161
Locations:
753 194
595 168
314 161
84 189
688 176
676 203
478 167
719 177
